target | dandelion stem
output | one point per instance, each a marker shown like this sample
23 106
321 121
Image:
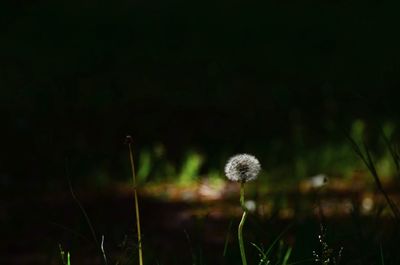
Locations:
136 204
241 224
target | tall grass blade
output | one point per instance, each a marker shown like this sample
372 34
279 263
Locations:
381 252
89 223
287 256
369 163
227 238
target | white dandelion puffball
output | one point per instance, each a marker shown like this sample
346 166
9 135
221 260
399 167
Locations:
242 168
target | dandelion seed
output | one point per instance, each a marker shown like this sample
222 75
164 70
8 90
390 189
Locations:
242 168
319 181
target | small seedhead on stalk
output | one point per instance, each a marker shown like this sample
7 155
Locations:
242 168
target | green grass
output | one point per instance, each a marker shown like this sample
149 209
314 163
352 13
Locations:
65 257
381 161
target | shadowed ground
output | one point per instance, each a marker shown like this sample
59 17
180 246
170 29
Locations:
184 228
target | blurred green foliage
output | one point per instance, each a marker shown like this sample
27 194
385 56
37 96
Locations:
191 167
305 161
281 80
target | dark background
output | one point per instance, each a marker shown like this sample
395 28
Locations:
77 76
220 77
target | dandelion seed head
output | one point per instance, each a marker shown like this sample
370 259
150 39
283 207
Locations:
242 168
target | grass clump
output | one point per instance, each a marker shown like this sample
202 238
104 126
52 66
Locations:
65 257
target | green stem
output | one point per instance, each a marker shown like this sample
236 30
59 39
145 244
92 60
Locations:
241 224
242 195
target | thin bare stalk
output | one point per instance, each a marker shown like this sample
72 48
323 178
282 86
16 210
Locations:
129 141
89 223
102 249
